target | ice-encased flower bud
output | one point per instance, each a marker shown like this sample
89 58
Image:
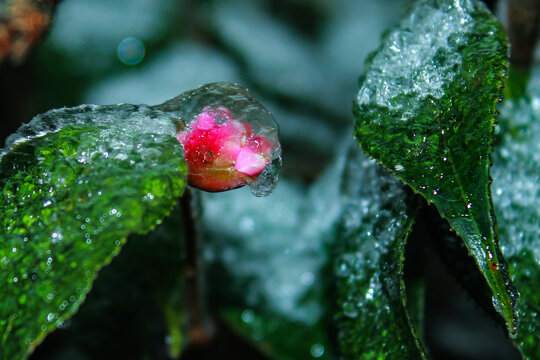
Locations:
223 153
229 138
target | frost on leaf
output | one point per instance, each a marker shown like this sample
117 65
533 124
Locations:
75 183
369 256
425 110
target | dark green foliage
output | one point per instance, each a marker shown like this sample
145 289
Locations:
69 200
426 109
372 317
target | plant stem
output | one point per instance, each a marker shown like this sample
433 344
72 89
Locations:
199 331
522 25
523 19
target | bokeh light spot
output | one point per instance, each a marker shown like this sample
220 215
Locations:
317 350
131 51
248 316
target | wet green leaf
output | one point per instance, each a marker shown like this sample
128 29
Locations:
75 183
516 196
425 110
136 309
369 251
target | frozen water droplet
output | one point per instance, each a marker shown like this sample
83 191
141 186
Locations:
350 310
497 305
267 179
369 294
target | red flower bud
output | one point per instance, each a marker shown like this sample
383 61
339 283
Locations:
223 153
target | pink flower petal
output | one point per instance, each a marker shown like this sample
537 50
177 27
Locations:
250 162
204 121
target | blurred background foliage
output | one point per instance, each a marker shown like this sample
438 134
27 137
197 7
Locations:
267 292
300 58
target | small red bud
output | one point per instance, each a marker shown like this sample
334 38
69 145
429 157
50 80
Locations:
223 153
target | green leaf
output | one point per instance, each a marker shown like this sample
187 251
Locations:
136 309
425 110
75 183
516 196
369 253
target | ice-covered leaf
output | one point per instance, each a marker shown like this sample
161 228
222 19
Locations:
369 253
425 110
266 259
516 196
75 183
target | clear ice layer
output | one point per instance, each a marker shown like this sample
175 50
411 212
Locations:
203 111
176 114
136 120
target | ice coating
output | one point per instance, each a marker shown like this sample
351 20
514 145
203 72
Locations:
134 119
428 118
409 65
229 138
75 183
368 266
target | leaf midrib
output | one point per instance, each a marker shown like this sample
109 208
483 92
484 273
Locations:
459 183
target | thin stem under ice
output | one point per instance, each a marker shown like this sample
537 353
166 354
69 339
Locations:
199 331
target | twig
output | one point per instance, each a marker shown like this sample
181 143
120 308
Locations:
199 330
523 23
